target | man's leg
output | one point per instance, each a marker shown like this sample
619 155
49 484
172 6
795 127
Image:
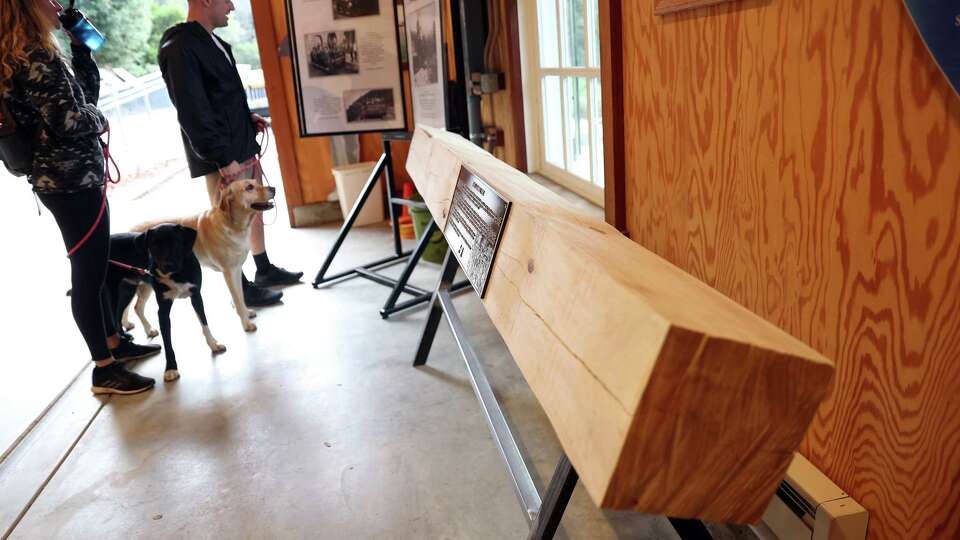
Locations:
268 275
253 295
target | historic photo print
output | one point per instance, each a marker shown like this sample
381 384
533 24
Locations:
332 53
345 9
369 104
423 45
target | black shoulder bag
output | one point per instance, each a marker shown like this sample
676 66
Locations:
16 146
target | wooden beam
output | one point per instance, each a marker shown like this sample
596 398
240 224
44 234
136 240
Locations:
283 129
667 396
611 86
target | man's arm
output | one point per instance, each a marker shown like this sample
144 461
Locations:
181 72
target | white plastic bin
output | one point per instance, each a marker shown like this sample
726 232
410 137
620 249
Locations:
350 180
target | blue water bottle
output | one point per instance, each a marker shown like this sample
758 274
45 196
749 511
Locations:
81 28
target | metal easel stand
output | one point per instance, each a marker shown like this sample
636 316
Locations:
384 169
543 515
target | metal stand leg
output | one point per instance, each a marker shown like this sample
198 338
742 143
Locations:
405 275
447 274
391 206
391 306
351 219
558 495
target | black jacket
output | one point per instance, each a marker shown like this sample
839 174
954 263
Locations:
209 96
59 109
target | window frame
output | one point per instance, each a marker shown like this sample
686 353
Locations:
533 75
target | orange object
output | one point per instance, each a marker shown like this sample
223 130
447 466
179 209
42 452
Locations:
406 192
406 222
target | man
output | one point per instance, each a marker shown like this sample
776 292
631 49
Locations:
219 131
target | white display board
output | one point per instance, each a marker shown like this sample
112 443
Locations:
428 76
346 66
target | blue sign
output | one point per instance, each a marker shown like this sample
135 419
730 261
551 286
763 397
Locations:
939 24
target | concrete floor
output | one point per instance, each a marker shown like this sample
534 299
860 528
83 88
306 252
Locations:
316 426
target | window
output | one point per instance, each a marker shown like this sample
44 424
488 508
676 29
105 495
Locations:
562 89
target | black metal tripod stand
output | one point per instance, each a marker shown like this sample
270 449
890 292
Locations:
384 169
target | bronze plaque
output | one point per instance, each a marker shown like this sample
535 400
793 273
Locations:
474 225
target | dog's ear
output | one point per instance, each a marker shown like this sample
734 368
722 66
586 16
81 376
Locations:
224 199
140 242
189 236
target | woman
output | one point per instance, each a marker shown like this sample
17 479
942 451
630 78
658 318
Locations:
68 170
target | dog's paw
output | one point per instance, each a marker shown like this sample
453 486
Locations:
249 327
218 348
128 326
251 314
171 375
152 333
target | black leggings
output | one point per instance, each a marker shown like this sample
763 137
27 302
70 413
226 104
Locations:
75 214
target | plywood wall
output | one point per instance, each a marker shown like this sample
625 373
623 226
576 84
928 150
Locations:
803 157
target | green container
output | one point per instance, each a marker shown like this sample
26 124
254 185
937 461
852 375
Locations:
437 245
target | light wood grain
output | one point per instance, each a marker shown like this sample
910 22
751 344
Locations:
667 396
801 158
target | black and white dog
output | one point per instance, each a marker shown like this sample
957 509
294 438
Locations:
166 252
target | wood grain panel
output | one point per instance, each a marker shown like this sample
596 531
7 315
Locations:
663 7
800 156
499 109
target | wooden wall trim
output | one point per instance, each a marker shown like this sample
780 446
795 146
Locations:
611 83
283 129
515 82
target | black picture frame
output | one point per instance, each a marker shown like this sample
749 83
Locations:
298 84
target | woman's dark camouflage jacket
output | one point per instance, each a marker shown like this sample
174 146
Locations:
59 107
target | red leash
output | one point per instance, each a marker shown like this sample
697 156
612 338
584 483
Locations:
108 179
141 271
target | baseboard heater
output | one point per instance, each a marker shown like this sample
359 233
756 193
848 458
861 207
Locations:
809 506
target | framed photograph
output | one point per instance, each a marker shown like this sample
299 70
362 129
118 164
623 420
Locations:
428 74
346 66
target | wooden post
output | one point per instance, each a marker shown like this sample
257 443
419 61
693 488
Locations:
611 83
284 132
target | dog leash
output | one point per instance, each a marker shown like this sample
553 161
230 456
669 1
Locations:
257 161
141 271
107 180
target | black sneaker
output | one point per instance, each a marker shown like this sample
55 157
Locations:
254 296
276 276
128 350
115 379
